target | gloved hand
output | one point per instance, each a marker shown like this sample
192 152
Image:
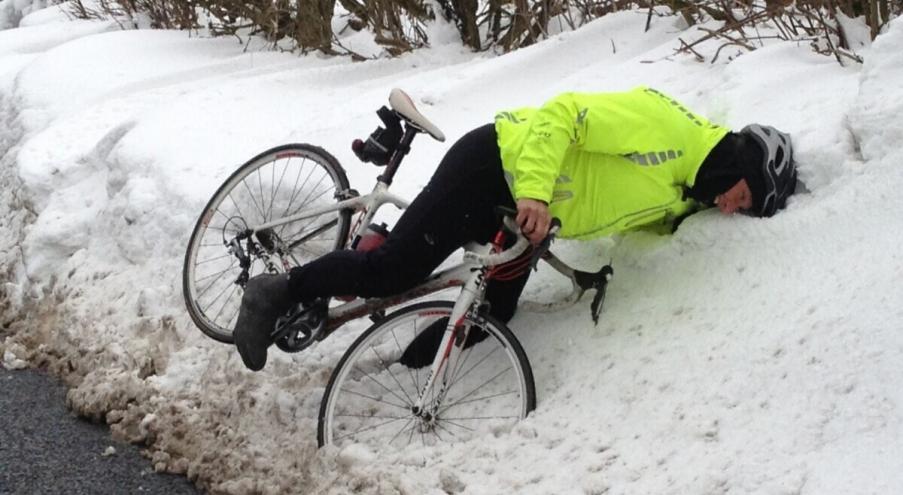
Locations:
533 218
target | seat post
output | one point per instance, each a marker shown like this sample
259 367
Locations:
403 148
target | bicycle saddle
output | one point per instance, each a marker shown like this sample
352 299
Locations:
402 103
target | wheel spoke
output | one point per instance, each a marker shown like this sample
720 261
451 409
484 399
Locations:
276 186
262 195
403 427
439 425
237 208
314 233
411 436
307 198
400 352
370 416
210 286
221 229
462 362
302 206
477 399
374 399
225 302
478 387
296 189
369 428
387 389
459 426
215 274
474 418
254 201
210 260
436 434
456 379
391 374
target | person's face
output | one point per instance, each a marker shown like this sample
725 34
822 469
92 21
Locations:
737 198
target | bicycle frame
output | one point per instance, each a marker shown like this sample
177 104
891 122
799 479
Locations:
368 203
455 276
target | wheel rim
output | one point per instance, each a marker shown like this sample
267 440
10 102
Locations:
371 400
275 186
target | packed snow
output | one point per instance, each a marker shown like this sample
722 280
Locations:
738 355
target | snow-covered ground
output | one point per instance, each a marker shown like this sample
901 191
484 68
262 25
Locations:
739 355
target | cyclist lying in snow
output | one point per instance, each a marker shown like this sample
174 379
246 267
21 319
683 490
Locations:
602 163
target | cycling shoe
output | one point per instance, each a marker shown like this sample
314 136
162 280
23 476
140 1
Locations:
265 299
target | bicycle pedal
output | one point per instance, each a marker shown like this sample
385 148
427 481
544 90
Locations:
300 328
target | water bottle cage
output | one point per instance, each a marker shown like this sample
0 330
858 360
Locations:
382 143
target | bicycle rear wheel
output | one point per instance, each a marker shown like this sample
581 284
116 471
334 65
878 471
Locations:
275 184
370 395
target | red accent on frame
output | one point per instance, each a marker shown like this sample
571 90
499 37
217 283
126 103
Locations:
287 154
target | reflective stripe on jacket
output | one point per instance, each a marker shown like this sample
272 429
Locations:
606 162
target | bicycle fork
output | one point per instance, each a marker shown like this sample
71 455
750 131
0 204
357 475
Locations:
450 350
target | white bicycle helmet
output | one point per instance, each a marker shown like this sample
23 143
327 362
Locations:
778 179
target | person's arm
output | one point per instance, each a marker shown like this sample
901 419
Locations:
550 135
556 126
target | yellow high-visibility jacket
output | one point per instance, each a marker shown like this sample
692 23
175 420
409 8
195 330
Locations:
606 162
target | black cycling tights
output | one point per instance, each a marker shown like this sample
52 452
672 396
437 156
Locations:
456 207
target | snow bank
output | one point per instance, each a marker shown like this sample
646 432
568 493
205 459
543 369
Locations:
739 355
12 11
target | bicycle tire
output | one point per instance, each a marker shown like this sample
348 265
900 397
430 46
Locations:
354 396
211 284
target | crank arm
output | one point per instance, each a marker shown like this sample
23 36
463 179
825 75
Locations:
300 328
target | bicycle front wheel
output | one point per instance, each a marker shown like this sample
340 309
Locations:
277 183
371 396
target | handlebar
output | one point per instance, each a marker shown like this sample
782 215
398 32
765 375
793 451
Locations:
582 281
519 246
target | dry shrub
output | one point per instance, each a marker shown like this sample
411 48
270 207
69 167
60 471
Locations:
812 21
504 25
159 14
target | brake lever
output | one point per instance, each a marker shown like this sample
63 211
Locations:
543 248
596 306
599 282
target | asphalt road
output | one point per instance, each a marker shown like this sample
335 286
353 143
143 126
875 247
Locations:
45 449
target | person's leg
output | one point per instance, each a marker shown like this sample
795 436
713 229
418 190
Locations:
457 206
502 296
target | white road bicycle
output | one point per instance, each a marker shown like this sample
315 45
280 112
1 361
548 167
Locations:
291 204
